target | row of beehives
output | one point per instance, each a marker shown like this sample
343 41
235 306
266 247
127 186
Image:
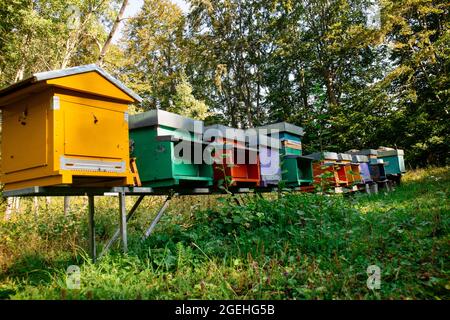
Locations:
260 157
71 128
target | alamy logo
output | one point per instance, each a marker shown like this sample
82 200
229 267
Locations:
73 278
74 15
373 16
374 279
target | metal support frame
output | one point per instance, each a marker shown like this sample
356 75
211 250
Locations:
259 195
385 184
123 221
155 221
237 200
122 192
92 245
117 233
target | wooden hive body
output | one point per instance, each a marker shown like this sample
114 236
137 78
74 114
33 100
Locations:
66 127
296 170
269 157
236 165
168 150
351 170
393 159
326 169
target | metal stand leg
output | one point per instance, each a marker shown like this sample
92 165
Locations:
117 233
92 246
123 222
374 188
150 229
390 185
66 205
237 199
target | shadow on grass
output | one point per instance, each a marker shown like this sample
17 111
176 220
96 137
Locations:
34 270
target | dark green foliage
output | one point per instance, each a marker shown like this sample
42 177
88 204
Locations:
317 64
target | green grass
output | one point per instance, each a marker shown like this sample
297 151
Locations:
301 246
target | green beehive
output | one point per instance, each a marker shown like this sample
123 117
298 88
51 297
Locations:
169 151
297 170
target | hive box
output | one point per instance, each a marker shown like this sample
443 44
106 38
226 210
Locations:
363 162
66 127
168 150
393 159
351 169
325 168
376 166
377 170
290 136
269 157
235 165
296 169
370 153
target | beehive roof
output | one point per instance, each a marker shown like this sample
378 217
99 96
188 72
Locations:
49 75
360 158
387 152
158 117
345 156
365 152
323 155
284 127
226 132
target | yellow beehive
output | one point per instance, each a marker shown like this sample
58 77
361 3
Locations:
66 127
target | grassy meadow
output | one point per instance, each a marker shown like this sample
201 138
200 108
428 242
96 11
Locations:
299 246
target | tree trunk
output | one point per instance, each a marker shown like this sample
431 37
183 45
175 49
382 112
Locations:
9 208
48 201
66 205
303 89
17 204
248 102
20 73
112 32
329 83
35 208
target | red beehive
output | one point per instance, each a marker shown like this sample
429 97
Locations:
345 173
326 170
235 165
352 170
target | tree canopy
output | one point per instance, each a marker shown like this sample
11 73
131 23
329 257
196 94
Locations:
354 73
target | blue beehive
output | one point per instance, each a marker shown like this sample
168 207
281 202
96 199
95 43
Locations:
376 166
393 160
364 169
